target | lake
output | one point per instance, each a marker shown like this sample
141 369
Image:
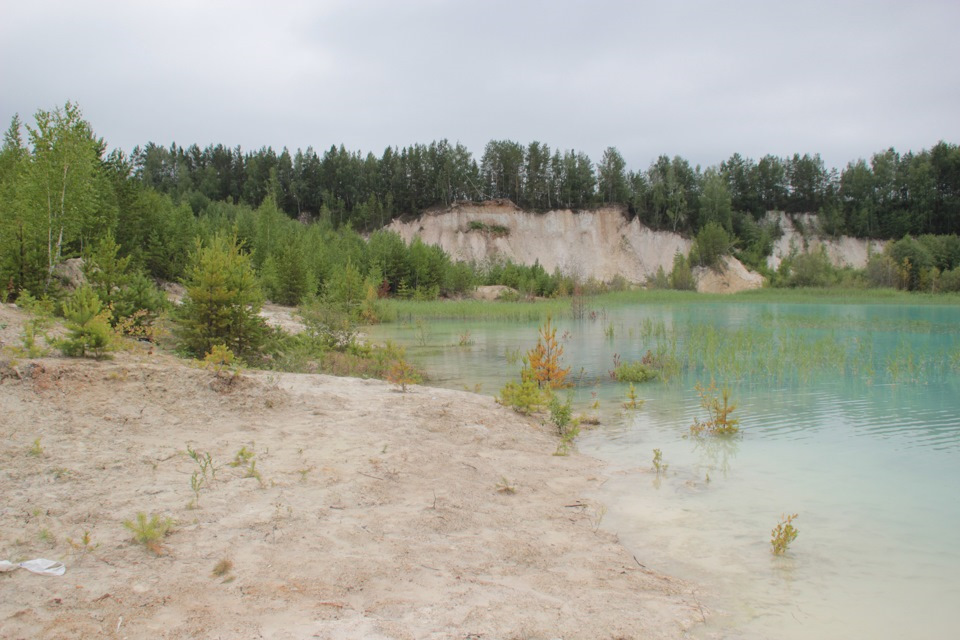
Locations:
849 416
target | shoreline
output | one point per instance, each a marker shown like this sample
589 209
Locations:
378 514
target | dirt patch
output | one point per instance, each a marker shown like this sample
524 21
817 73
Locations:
730 278
494 292
339 507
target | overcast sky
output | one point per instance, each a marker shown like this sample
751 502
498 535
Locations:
698 79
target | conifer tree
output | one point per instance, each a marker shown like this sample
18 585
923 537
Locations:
223 300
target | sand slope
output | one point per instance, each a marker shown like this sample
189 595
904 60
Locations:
378 515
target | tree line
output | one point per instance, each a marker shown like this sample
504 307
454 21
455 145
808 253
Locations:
303 217
888 196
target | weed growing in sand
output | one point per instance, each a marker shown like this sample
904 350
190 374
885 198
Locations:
82 547
150 531
33 329
504 486
253 473
597 517
783 534
204 461
36 449
658 463
197 483
201 477
402 374
47 537
718 409
243 457
223 362
223 567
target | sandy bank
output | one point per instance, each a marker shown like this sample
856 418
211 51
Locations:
379 514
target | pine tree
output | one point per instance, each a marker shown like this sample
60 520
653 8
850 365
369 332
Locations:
544 359
223 300
87 325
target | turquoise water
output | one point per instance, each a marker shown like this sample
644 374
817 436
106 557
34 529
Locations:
849 415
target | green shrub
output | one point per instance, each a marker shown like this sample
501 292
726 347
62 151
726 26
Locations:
681 276
525 396
711 244
635 372
88 326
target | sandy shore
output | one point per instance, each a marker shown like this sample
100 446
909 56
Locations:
376 514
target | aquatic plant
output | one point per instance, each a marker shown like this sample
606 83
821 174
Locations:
633 372
658 464
718 409
633 402
783 534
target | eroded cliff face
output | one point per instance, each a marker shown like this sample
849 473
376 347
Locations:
600 244
804 236
603 244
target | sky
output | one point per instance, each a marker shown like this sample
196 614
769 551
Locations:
692 78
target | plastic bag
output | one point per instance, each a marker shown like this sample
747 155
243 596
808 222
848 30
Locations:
40 566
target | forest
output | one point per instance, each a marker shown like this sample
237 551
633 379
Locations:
302 218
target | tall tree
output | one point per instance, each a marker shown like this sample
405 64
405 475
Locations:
612 178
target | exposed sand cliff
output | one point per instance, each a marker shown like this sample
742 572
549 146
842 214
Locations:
805 237
603 244
600 244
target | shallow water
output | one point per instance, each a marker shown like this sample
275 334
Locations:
850 417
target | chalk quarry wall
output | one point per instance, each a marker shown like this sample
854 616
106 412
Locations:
599 244
844 251
603 244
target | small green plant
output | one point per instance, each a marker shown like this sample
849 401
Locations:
718 409
222 361
525 396
204 461
223 567
465 340
36 449
82 547
197 483
243 457
424 332
568 427
150 531
504 486
33 329
783 534
633 402
252 472
658 463
46 536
